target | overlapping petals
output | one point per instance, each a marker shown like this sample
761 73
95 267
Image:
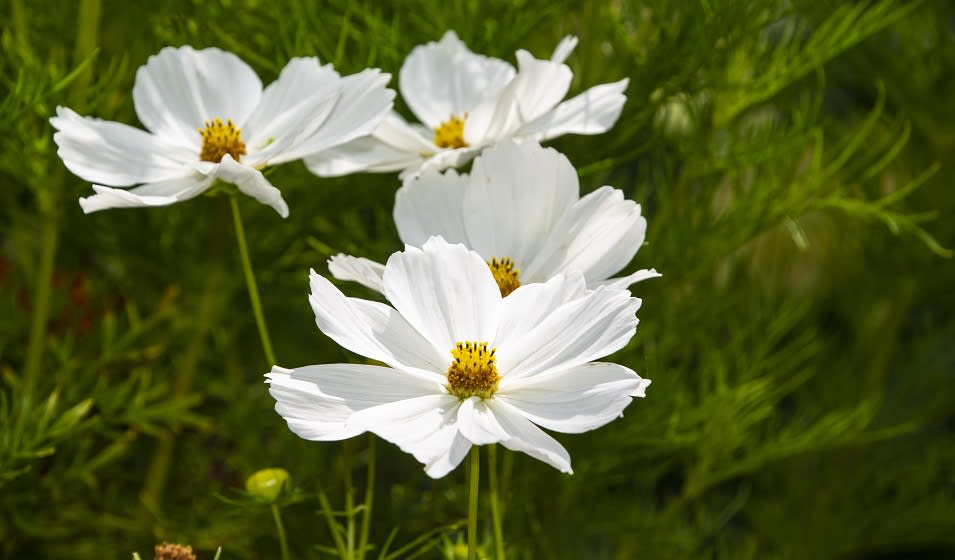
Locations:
546 338
444 79
520 201
310 108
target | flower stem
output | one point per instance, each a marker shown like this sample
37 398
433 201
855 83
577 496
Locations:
475 474
495 501
280 530
349 499
369 499
250 282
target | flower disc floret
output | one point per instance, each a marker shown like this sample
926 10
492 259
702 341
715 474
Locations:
221 138
507 276
450 133
473 373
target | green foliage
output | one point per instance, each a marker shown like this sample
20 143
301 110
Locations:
792 159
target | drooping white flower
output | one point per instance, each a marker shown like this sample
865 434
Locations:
466 101
464 365
520 209
207 118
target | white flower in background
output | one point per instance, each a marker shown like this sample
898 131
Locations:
209 119
467 101
520 209
464 365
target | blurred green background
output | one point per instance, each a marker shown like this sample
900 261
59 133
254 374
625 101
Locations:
792 158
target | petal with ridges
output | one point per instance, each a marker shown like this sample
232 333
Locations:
116 154
163 193
524 436
357 269
438 80
317 401
178 89
425 427
517 193
580 331
249 180
598 236
594 111
574 400
376 331
431 204
446 292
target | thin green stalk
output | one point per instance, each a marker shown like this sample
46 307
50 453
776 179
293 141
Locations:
250 282
349 499
495 501
48 201
369 499
332 524
475 474
280 530
49 239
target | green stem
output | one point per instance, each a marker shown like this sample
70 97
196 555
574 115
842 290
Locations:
349 499
495 502
475 474
250 282
280 530
49 239
332 524
369 499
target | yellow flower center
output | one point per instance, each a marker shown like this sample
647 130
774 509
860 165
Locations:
473 371
450 133
219 139
507 277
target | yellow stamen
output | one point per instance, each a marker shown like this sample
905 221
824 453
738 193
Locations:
219 139
507 277
473 371
450 133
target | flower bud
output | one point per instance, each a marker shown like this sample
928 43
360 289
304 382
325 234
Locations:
268 484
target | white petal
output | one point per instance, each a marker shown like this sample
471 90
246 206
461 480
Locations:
249 180
625 282
516 195
573 400
394 146
335 110
431 204
477 423
599 236
594 111
376 331
116 154
178 89
442 79
564 48
530 304
153 194
580 331
294 105
425 427
317 401
538 86
526 437
443 159
445 291
641 390
357 269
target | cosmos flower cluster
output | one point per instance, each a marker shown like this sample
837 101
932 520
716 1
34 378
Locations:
505 295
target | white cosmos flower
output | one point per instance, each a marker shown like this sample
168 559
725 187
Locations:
466 101
208 118
520 209
464 366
